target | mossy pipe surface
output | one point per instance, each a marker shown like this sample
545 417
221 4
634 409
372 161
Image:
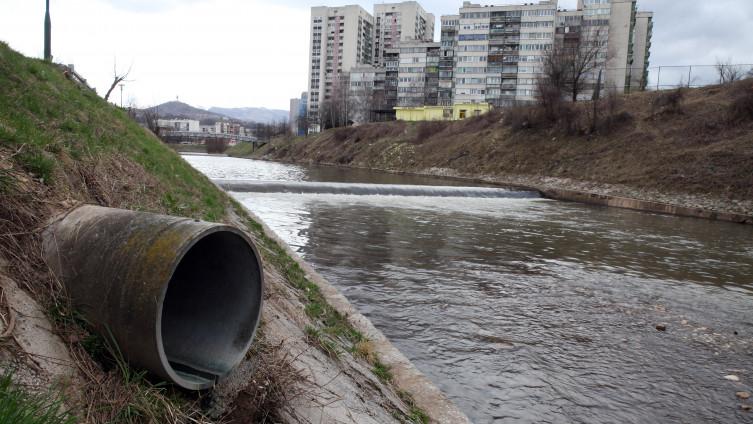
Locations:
181 297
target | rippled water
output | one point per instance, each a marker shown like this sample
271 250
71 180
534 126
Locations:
531 310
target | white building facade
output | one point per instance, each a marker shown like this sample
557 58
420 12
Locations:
396 22
341 38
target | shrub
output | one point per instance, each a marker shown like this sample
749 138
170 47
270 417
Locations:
342 134
741 108
427 129
482 122
519 118
668 102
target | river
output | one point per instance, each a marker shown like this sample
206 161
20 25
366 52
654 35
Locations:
523 309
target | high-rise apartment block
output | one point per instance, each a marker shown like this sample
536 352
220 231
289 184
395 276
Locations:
396 22
486 54
341 38
418 74
346 37
448 42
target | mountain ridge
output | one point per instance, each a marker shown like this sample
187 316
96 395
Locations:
254 114
178 109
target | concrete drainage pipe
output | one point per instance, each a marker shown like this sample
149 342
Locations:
181 297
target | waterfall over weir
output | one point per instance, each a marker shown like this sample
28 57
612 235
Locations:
372 189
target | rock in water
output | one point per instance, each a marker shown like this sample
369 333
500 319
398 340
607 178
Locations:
661 327
732 377
743 395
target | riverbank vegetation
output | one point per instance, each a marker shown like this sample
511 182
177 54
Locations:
61 146
687 146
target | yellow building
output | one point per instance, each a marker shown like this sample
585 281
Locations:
441 113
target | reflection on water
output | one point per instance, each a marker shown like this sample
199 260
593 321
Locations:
530 310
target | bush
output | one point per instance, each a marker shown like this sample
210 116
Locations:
427 129
741 109
519 118
668 102
482 122
342 134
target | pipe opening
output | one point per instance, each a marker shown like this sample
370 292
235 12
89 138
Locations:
211 308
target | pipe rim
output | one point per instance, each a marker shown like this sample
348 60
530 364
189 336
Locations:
184 249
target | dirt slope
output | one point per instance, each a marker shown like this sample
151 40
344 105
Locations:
695 147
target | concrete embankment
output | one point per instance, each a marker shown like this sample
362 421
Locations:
644 205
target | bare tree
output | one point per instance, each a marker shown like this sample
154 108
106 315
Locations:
333 111
151 118
116 79
581 58
728 73
572 61
361 103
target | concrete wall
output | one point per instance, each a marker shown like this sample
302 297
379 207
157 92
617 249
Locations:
644 205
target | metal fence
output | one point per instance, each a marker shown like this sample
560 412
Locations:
669 77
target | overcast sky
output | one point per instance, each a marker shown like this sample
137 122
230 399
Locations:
235 53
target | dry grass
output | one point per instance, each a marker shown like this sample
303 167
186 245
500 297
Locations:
274 386
741 108
668 102
689 141
427 129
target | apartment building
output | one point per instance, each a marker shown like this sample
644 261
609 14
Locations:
448 42
297 110
418 74
499 51
626 35
644 27
396 22
341 38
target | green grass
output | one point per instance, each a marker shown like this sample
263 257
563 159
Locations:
18 406
382 371
241 150
145 401
415 414
46 118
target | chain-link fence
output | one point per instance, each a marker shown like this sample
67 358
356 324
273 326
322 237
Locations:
669 77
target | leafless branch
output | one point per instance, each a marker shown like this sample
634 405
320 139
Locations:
117 79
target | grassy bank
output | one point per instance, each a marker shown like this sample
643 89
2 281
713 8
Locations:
60 146
689 145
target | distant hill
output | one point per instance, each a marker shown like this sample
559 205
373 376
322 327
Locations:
182 110
255 114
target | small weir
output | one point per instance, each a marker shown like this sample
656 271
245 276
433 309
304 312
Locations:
372 189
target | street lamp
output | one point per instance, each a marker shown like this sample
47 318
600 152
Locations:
121 95
47 34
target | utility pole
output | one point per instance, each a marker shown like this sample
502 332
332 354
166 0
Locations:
47 34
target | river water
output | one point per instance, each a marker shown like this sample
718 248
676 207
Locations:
523 309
